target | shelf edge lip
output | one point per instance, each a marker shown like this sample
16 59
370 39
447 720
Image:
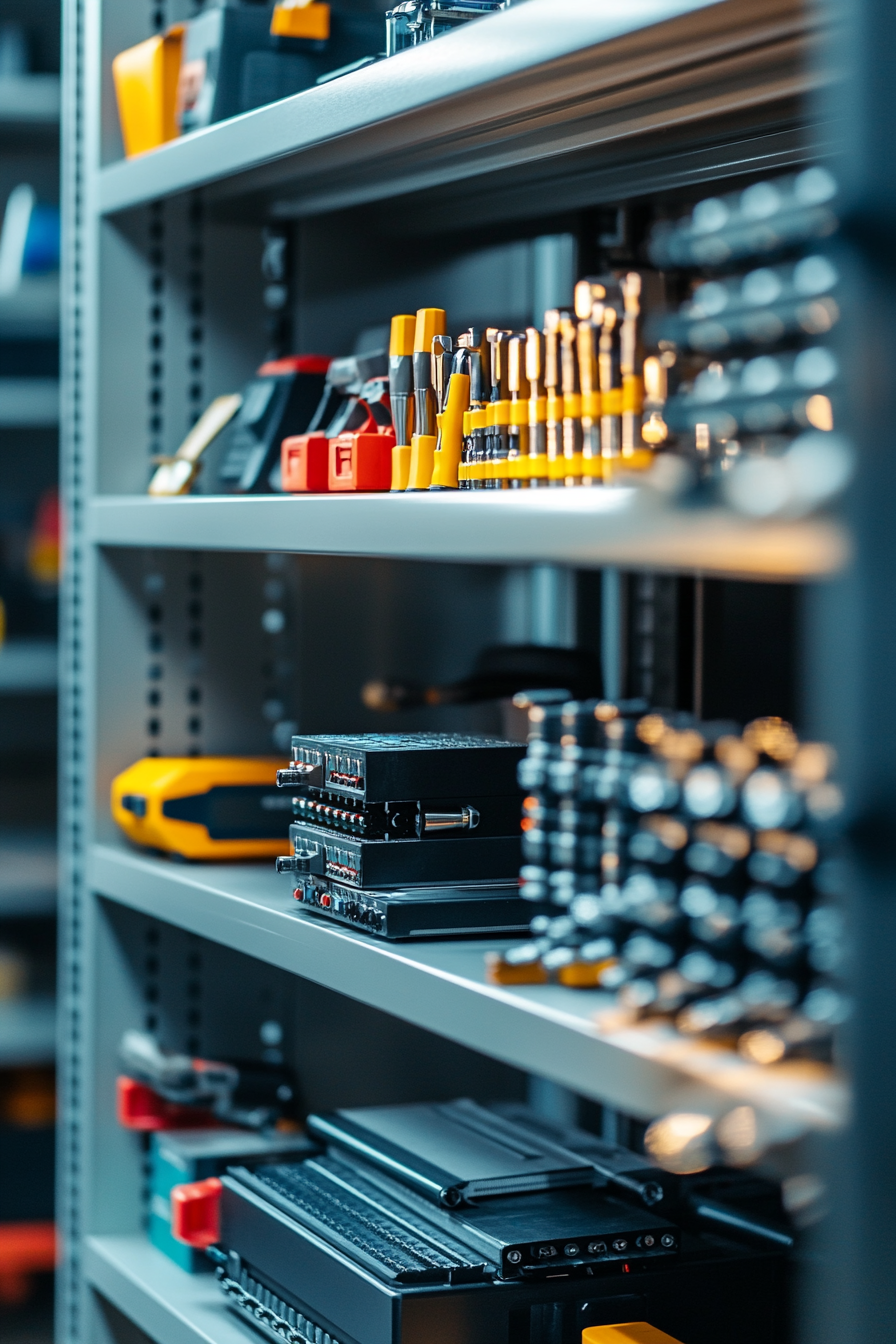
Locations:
434 74
581 527
653 1068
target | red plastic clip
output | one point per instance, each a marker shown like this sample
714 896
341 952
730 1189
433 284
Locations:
196 1212
138 1107
304 460
361 461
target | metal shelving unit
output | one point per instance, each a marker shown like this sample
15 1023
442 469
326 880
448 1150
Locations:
511 125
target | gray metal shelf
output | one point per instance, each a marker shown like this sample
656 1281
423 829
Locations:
546 80
440 986
618 526
171 1306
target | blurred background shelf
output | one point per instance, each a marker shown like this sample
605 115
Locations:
27 1031
29 402
31 311
28 666
27 873
29 100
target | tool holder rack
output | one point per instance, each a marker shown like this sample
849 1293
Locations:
456 174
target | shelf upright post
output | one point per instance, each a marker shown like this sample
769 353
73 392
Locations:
850 676
80 122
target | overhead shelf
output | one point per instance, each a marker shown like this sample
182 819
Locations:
645 1070
171 1306
621 526
28 666
519 98
29 403
27 1031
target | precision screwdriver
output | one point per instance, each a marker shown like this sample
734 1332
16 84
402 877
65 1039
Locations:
572 402
430 323
610 390
498 414
553 398
632 387
537 473
518 434
401 394
474 424
589 303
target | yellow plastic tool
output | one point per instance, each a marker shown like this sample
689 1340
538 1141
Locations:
309 19
635 1332
146 78
204 807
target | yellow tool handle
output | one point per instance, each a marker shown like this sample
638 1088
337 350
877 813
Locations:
451 430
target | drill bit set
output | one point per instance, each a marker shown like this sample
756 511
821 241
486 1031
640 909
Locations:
690 870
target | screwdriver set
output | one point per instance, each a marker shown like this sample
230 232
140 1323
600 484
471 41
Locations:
692 872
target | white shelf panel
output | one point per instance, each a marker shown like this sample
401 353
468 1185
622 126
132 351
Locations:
27 1031
440 986
171 1306
28 666
544 79
619 526
29 100
29 403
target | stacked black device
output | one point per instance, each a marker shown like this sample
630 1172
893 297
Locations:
453 1221
407 834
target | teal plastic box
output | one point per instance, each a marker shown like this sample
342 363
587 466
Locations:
181 1155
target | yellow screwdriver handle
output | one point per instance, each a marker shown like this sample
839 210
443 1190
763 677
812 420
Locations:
451 428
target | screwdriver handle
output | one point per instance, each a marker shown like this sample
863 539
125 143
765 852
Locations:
451 421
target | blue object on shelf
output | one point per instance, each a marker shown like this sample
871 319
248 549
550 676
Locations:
29 238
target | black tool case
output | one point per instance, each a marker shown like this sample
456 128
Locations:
283 1277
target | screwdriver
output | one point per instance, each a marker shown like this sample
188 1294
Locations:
454 407
538 469
430 323
572 402
589 302
610 390
518 435
473 455
498 415
632 387
553 398
401 390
